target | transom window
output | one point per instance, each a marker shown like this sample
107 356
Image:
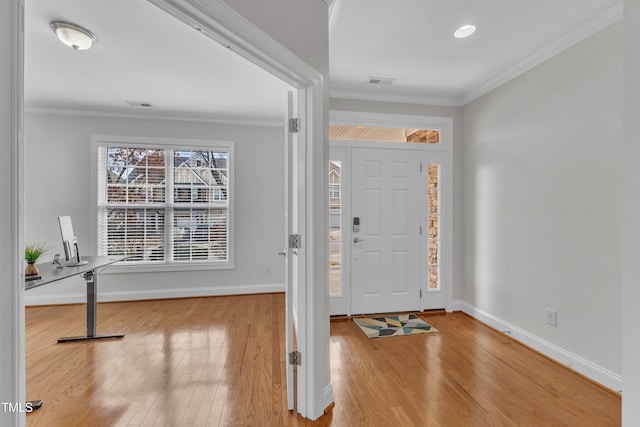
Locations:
384 134
165 202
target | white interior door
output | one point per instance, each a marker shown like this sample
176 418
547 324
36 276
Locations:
385 230
295 268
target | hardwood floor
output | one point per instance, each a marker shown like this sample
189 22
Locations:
220 361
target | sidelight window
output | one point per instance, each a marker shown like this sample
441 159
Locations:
433 226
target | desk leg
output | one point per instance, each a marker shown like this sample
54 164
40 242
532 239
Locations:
35 404
92 307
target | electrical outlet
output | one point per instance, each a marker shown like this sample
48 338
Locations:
267 269
551 317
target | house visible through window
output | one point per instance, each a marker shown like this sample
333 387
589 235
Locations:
164 205
334 181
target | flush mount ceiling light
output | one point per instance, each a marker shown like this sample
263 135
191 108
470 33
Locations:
465 31
74 36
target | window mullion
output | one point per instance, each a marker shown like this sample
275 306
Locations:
169 195
130 208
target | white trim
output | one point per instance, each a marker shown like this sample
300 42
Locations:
327 396
73 298
442 152
98 141
391 120
12 322
454 100
601 21
226 26
290 172
387 145
184 266
334 12
564 357
137 114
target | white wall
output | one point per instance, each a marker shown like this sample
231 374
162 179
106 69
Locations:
541 202
631 219
12 362
302 26
58 167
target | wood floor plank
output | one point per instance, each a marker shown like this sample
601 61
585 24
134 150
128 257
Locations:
220 361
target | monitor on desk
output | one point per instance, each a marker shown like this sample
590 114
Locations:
70 243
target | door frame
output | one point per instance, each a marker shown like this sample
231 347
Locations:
224 25
289 215
442 153
12 319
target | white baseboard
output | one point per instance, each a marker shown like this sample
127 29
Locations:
155 294
590 370
327 398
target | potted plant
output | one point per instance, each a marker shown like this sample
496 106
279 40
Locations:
31 254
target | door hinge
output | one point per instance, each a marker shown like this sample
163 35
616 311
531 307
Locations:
420 167
295 358
420 293
293 125
295 241
421 230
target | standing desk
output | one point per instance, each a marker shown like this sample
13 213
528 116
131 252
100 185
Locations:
50 273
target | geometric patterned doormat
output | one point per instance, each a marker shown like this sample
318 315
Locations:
392 326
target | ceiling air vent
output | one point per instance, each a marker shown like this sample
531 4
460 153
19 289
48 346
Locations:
386 81
143 104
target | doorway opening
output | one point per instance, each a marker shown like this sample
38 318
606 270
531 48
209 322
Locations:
389 202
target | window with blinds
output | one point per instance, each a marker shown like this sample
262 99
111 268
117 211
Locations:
164 205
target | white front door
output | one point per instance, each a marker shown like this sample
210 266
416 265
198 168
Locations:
385 230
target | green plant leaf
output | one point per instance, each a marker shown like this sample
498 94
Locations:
33 251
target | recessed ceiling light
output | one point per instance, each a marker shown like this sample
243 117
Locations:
465 31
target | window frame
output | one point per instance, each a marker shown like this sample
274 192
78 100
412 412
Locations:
98 141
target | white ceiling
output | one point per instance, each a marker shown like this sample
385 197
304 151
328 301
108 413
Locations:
412 42
143 54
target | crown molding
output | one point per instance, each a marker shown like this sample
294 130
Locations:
334 12
397 97
223 24
590 27
126 113
388 119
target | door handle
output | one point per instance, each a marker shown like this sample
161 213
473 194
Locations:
357 239
284 253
